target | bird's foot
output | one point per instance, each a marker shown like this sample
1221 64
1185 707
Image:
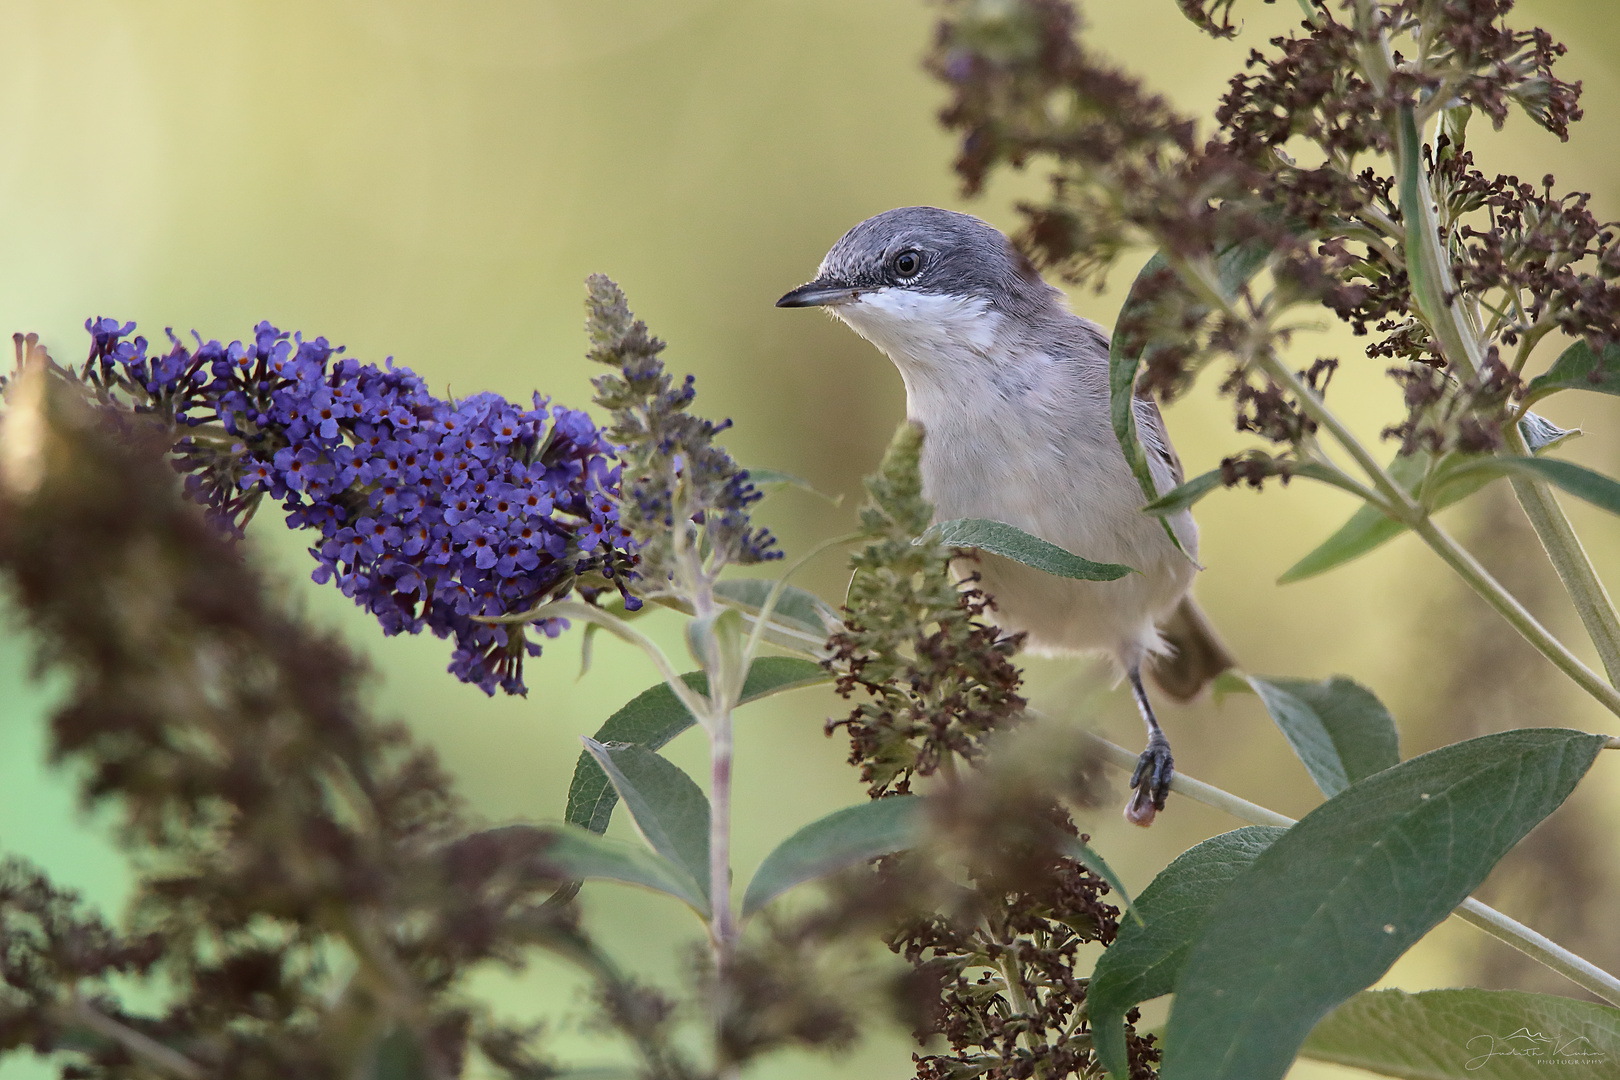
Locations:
1150 781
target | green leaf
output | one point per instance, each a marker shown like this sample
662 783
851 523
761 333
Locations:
797 608
843 838
1234 266
1184 496
1145 959
1326 910
1122 371
669 809
1083 853
1579 368
1599 490
1369 527
1010 542
398 1056
1475 1034
1337 728
1187 494
579 853
1239 262
656 716
772 478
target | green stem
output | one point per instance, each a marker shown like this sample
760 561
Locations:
140 1046
1439 302
1020 1000
695 703
1569 558
1508 606
1539 948
775 595
722 928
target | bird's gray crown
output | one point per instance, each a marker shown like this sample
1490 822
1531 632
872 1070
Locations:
929 250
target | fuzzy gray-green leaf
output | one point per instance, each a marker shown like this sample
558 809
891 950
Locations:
579 853
1370 527
1337 728
1010 542
1146 957
1599 490
1325 911
1579 368
1469 1035
669 809
1183 496
656 715
799 608
771 478
843 838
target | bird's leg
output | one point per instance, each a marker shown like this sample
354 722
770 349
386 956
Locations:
1151 780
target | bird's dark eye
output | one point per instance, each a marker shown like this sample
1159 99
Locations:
907 263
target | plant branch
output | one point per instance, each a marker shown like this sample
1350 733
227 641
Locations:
1569 558
722 929
142 1047
1547 952
768 608
695 703
1508 606
1438 298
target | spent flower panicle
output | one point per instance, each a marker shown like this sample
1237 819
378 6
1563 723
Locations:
431 512
308 892
934 674
1309 158
994 951
682 498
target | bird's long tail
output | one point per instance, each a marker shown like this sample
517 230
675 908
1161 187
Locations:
1196 653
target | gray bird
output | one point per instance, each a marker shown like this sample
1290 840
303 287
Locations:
1011 389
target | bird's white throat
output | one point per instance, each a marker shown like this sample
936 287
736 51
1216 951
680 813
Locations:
920 328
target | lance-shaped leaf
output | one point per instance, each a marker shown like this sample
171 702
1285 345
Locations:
398 1055
572 852
1370 527
1182 497
1122 369
1599 490
843 838
1084 854
1469 1035
669 810
1490 1034
1010 542
1367 528
656 716
771 478
1579 368
797 608
1327 908
1337 728
1234 266
1145 959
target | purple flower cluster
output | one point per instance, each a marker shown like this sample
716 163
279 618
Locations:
431 512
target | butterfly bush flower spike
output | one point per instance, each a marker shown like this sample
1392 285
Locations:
431 512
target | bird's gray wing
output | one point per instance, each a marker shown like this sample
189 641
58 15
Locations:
1150 431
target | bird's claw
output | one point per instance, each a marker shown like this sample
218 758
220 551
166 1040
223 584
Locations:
1151 782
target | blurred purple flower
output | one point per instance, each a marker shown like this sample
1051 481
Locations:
430 511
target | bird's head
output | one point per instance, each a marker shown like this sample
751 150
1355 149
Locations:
920 279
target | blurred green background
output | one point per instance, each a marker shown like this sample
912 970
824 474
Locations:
433 181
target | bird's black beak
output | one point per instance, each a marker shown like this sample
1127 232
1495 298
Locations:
819 293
